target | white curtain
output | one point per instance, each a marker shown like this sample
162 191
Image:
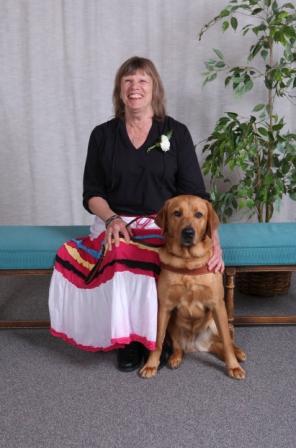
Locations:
58 60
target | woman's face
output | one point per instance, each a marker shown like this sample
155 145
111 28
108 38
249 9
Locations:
136 91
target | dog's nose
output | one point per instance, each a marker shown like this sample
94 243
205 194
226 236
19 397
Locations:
187 234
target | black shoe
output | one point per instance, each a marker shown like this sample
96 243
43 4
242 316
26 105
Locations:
130 357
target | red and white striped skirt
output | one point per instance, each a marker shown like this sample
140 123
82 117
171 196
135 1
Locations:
120 304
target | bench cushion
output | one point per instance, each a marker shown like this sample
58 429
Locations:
34 247
244 244
258 244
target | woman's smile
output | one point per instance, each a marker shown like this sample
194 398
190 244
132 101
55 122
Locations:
136 90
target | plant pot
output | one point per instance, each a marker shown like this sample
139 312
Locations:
263 284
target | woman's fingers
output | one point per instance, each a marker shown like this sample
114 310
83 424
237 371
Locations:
216 262
116 230
125 233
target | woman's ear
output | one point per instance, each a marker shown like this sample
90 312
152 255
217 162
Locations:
213 220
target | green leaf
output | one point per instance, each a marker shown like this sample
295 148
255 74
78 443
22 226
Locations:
209 77
241 203
254 50
278 126
256 11
212 77
276 74
225 25
232 114
263 131
250 203
234 23
248 85
268 83
169 134
289 32
264 54
288 5
228 79
218 53
275 6
224 13
258 107
210 64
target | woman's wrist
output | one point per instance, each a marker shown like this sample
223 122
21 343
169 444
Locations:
111 219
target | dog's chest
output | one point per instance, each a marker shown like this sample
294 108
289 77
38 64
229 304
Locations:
194 293
190 300
190 311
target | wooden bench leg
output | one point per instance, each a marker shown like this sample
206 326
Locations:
229 297
9 324
230 273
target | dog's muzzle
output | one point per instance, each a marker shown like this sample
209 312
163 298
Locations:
187 236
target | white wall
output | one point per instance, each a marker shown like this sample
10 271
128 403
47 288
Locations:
58 60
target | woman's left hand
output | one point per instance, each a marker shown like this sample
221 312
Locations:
216 263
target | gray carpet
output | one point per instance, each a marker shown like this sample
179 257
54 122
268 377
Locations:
53 395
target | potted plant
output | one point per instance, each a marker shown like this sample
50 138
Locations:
258 148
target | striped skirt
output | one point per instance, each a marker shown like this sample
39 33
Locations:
119 305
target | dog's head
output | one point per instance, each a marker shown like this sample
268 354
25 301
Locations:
186 220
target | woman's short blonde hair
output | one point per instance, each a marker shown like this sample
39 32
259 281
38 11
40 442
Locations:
130 67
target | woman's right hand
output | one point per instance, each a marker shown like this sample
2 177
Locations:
115 230
115 225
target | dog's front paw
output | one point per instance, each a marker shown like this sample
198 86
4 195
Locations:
237 373
148 371
175 361
240 354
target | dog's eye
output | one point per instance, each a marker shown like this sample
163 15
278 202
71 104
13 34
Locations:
198 215
177 213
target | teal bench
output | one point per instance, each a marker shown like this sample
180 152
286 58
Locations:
254 247
30 250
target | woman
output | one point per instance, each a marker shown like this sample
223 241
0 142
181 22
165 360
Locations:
134 163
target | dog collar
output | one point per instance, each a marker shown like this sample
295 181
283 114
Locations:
199 271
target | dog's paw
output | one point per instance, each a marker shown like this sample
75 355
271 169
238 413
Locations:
237 373
148 371
174 361
240 354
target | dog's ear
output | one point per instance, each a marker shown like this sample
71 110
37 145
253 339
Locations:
213 220
161 217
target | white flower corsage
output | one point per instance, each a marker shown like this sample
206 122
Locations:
164 142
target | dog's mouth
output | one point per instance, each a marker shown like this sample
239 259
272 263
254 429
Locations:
187 236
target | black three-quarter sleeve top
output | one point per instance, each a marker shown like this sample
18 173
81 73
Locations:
134 181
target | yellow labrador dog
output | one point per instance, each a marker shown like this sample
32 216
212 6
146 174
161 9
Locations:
191 299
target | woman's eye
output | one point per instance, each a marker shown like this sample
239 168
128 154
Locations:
177 213
198 215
